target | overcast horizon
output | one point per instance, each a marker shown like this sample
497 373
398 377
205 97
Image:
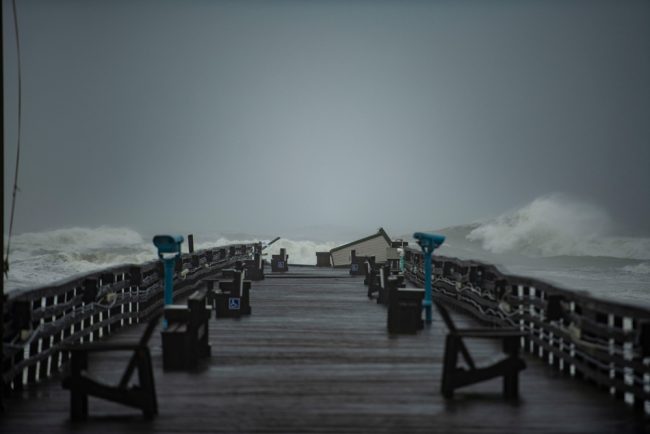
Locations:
263 117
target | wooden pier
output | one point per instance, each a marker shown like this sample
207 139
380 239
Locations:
316 357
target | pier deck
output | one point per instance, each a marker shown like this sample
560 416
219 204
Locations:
315 357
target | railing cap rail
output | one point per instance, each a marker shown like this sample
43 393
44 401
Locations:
639 310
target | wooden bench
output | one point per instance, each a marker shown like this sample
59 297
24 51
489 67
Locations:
368 263
280 263
378 275
454 377
232 297
372 276
254 267
81 385
357 264
186 339
387 274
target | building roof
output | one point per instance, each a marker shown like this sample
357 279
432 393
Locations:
380 233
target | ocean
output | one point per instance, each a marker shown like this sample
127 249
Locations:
562 241
552 238
40 258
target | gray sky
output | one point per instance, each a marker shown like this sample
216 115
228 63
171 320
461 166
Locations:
264 117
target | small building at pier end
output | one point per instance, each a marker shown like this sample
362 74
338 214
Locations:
372 245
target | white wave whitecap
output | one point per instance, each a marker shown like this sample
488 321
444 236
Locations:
45 257
72 239
301 252
556 225
642 268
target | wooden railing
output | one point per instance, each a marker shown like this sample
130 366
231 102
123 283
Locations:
604 342
89 306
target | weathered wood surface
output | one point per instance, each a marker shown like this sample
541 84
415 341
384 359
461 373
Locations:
589 338
89 306
315 357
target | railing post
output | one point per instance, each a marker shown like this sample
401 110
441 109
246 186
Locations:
91 289
2 332
109 279
643 341
135 281
196 260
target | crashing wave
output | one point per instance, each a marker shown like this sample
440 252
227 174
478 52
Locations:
45 257
556 225
642 268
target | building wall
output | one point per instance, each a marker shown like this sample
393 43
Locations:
373 247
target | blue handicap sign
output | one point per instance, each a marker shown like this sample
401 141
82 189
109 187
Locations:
355 267
234 303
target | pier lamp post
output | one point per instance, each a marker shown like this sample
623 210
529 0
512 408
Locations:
428 243
169 249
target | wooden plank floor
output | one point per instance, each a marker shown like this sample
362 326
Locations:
315 357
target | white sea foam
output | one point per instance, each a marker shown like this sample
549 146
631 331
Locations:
300 252
641 268
46 257
549 226
556 225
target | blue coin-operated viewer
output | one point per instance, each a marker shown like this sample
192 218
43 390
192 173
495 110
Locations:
169 249
428 243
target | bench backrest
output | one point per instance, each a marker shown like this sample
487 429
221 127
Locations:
144 341
153 322
196 301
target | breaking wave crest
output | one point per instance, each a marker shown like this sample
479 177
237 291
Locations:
46 257
73 239
300 252
557 225
642 268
